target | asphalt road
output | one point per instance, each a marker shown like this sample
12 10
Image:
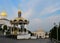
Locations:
8 40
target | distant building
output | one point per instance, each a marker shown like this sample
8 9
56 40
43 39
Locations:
40 33
4 20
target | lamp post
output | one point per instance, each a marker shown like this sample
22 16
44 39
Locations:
57 34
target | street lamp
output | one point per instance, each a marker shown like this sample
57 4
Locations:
57 33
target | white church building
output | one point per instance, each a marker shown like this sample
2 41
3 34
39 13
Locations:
40 33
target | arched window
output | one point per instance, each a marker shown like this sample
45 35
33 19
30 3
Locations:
20 20
15 20
25 20
5 27
0 27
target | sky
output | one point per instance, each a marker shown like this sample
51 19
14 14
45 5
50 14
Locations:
42 14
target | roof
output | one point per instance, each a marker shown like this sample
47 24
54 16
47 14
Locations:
21 18
4 19
4 14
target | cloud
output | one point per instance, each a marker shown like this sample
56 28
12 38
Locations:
28 13
49 10
12 12
29 8
45 24
34 10
48 22
35 24
53 19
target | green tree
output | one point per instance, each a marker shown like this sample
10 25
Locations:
59 31
53 32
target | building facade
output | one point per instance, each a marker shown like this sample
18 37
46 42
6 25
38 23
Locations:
40 33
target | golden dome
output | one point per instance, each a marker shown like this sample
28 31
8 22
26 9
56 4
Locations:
19 13
4 14
40 30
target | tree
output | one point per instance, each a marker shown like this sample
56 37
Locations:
46 34
59 31
53 32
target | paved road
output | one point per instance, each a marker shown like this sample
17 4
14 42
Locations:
8 40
